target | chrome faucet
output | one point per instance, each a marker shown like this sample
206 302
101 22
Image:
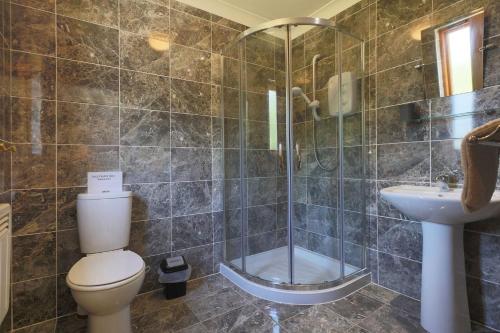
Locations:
447 179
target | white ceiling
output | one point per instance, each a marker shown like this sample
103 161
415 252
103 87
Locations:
254 12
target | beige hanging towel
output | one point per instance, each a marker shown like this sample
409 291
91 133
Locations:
480 165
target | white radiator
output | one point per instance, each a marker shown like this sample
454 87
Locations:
5 253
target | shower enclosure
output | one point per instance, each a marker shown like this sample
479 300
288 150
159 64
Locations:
294 161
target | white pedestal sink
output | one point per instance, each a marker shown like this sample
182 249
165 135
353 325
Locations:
444 306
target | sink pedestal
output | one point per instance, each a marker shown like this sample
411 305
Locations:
444 307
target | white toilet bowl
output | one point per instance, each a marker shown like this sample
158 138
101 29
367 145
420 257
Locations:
104 285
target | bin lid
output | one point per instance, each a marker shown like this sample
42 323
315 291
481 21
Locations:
105 268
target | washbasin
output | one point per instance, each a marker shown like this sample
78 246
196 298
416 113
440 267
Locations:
429 204
444 304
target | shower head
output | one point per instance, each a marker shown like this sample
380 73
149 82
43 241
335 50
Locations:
297 91
313 106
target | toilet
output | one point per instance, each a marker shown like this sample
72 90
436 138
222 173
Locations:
106 280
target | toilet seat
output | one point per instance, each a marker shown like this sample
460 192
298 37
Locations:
105 270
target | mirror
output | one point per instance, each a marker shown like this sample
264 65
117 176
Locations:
453 56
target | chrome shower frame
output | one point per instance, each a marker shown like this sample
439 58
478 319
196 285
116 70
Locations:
361 275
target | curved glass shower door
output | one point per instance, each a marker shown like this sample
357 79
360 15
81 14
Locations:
293 155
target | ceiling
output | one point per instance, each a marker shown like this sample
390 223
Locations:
254 12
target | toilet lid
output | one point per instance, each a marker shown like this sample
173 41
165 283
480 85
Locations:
105 268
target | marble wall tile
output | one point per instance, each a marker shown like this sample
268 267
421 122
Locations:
33 166
144 18
221 37
190 30
492 8
392 13
201 258
401 238
33 76
150 201
68 250
66 207
151 237
477 101
458 127
33 121
86 83
399 274
190 130
261 191
27 298
191 198
408 47
191 231
65 302
48 5
259 79
139 90
191 97
322 191
399 85
190 64
446 158
33 211
491 63
261 163
322 220
78 40
180 6
481 259
190 164
33 256
74 161
103 12
32 30
145 164
391 128
261 219
145 54
259 51
144 128
325 245
406 162
227 23
87 124
484 299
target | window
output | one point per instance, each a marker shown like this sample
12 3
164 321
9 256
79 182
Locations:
461 63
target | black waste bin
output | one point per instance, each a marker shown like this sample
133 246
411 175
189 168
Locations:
173 274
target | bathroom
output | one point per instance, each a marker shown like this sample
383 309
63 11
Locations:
185 97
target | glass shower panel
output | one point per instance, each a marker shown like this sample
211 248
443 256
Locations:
230 130
265 156
354 205
317 245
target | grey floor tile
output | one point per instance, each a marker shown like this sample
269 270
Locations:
355 307
216 304
382 294
390 320
169 319
317 319
407 304
246 319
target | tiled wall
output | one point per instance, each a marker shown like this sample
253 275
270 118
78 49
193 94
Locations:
415 152
89 93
